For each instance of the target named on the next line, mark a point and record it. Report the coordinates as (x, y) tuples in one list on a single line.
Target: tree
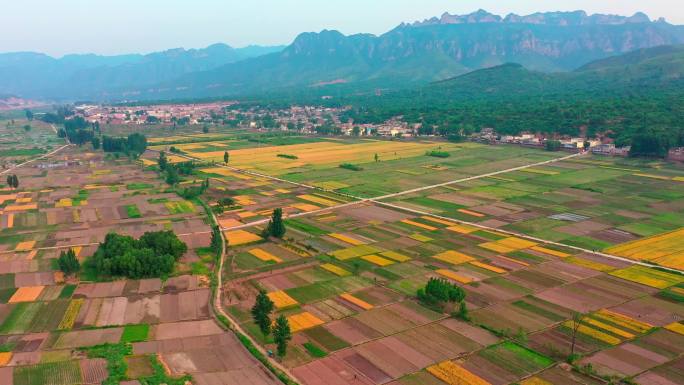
[(576, 323), (137, 143), (205, 129), (154, 254), (376, 157), (172, 177), (29, 115), (216, 239), (356, 131), (276, 226), (552, 145), (13, 181), (261, 312), (95, 142), (68, 263), (162, 161), (282, 335), (27, 127), (439, 291), (226, 157), (463, 311)]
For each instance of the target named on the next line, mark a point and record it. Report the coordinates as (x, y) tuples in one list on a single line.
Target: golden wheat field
[(319, 154)]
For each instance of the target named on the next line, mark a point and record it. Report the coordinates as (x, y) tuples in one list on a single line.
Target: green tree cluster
[(152, 255), (439, 291), (68, 263), (261, 312), (13, 181), (281, 335), (276, 226)]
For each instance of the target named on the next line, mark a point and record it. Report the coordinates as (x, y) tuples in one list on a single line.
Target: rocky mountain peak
[(545, 18)]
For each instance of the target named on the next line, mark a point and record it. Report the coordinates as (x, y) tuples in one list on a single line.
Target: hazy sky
[(57, 27)]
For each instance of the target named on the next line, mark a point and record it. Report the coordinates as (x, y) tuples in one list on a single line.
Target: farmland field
[(522, 245)]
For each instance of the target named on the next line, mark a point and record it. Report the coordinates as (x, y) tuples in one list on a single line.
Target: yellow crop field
[(244, 200), (64, 202), (539, 171), (377, 260), (25, 246), (652, 176), (303, 321), (454, 374), (393, 255), (453, 257), (70, 315), (356, 301), (507, 245), (5, 358), (417, 224), (305, 207), (420, 237), (26, 294), (590, 264), (353, 252), (320, 154), (462, 229), (331, 185), (666, 249), (24, 200), (486, 266), (317, 199), (609, 328), (7, 197), (439, 220), (624, 321), (471, 213), (648, 276), (676, 327), (281, 300), (10, 221), (264, 255), (225, 172), (593, 333), (516, 243), (347, 239), (495, 246), (335, 269), (548, 251), (454, 276), (241, 237), (22, 207)]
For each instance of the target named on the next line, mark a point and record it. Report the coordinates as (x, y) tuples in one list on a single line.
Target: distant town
[(310, 120)]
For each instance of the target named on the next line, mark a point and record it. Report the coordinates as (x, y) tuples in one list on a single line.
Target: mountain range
[(407, 56), (41, 76)]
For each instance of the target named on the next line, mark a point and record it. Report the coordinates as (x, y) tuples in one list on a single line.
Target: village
[(318, 120)]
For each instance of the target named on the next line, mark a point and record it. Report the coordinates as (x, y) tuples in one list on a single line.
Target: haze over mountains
[(409, 55)]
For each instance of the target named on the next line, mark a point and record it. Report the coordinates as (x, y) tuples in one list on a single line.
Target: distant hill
[(638, 91), (73, 76), (413, 54), (407, 56)]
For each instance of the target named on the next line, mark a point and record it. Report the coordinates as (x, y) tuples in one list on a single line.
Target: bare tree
[(577, 319)]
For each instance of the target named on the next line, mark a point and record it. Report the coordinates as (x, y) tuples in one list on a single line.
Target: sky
[(58, 27)]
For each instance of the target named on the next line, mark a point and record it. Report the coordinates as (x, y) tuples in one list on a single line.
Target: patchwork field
[(346, 273), (352, 308)]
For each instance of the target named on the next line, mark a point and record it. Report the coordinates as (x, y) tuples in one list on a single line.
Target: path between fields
[(373, 199), (35, 159), (235, 326), (42, 156)]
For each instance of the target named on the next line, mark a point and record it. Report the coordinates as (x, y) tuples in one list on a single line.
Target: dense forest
[(638, 93)]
